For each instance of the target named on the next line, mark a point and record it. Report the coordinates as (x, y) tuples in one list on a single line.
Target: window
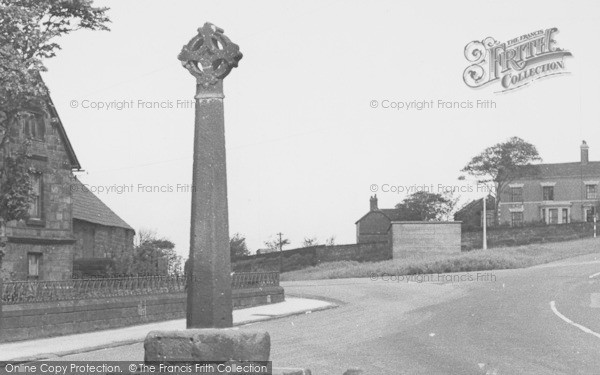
[(35, 207), (565, 215), (553, 216), (516, 194), (591, 191), (34, 125), (589, 214), (548, 193), (516, 219), (34, 260)]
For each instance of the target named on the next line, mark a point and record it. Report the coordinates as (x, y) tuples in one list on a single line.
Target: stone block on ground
[(207, 345)]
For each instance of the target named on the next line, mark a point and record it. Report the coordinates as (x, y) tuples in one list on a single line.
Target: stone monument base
[(210, 344)]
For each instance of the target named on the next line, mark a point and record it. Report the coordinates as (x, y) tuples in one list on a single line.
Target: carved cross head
[(210, 55)]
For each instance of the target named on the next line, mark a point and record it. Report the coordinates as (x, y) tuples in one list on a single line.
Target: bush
[(92, 268)]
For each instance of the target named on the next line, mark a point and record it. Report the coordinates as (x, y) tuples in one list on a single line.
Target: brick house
[(66, 220), (557, 193), (471, 214), (374, 225)]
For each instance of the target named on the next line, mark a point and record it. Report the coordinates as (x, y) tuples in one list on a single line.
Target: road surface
[(541, 320)]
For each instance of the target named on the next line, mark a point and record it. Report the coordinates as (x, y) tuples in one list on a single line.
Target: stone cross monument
[(209, 56)]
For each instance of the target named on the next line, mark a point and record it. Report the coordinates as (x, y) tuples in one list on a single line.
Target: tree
[(502, 163), (28, 29), (310, 241), (425, 206), (152, 255), (330, 241), (237, 246), (278, 243)]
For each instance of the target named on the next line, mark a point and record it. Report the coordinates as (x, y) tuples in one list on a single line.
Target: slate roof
[(576, 169), (393, 214), (476, 205), (88, 207)]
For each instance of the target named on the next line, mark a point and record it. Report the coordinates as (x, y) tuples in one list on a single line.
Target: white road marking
[(594, 275), (584, 329)]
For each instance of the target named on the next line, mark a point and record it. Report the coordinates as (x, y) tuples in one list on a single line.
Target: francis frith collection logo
[(514, 63)]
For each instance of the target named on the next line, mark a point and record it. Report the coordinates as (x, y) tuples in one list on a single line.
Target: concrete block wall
[(428, 237)]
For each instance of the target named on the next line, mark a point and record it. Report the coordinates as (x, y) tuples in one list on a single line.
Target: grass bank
[(477, 260)]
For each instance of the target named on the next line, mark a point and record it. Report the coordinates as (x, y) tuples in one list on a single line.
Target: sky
[(310, 131)]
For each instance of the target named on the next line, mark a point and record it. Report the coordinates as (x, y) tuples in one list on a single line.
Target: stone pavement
[(84, 342)]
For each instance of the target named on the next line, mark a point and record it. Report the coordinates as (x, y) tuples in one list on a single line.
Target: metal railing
[(17, 292), (248, 280)]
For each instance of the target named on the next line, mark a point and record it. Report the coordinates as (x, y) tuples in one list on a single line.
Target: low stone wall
[(517, 236), (37, 320), (362, 252), (311, 256)]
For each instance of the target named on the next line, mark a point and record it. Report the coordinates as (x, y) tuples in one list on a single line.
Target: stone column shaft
[(209, 56), (209, 294)]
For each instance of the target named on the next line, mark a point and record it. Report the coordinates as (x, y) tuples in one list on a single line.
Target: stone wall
[(363, 252), (51, 234), (516, 236), (99, 241), (56, 262), (50, 159), (304, 257), (429, 237), (36, 320)]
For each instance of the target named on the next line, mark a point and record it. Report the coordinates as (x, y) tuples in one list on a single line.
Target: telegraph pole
[(484, 223), (280, 253)]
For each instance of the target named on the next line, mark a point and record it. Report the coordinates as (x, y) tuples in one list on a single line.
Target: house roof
[(88, 207), (393, 214), (576, 169), (476, 205)]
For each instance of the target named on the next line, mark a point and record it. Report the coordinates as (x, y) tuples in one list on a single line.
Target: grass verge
[(477, 260)]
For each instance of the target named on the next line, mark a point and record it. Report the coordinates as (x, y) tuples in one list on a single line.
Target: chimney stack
[(374, 203), (584, 153)]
